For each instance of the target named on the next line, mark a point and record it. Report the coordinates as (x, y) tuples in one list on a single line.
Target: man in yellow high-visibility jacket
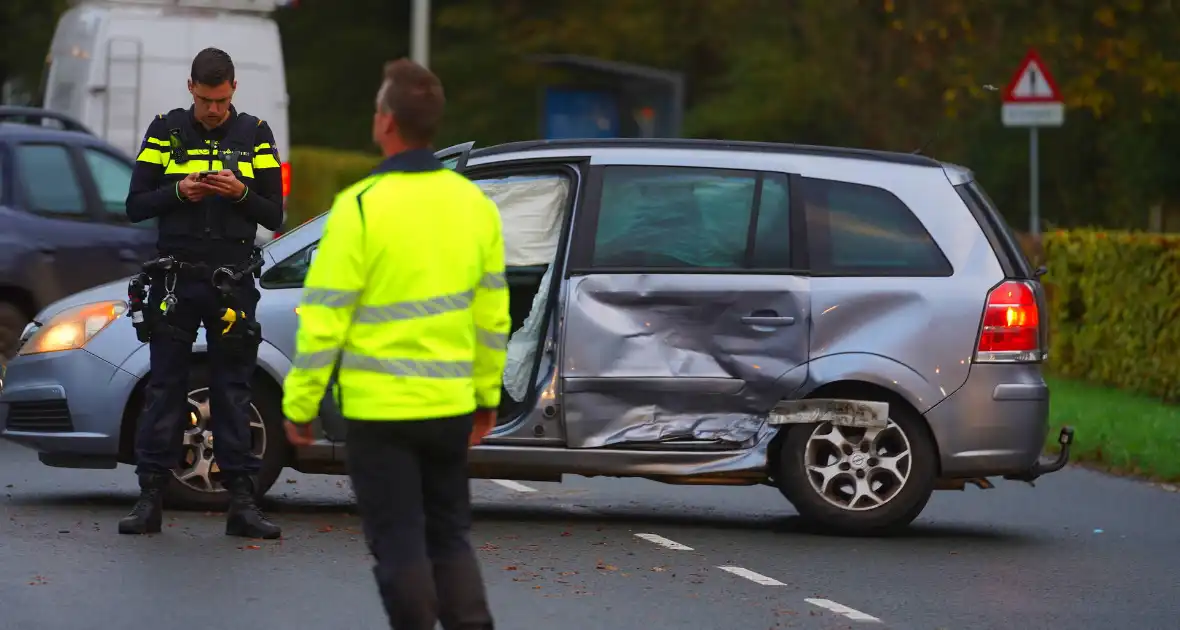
[(407, 293)]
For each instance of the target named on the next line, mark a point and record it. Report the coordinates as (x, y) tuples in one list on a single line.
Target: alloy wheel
[(197, 460), (858, 469)]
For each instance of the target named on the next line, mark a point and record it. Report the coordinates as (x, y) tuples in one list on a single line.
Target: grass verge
[(1122, 432)]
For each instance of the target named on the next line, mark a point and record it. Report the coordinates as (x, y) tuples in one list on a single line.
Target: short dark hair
[(414, 96), (212, 66)]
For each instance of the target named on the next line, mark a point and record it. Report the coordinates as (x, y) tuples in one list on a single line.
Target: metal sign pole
[(420, 33), (1034, 186), (1032, 100)]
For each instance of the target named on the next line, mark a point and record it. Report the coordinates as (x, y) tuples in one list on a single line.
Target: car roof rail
[(708, 144), (36, 116)]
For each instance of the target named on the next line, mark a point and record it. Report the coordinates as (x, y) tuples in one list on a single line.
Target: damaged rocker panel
[(837, 411)]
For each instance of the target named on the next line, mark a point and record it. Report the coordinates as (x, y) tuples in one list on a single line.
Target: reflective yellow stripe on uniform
[(266, 160), (198, 165)]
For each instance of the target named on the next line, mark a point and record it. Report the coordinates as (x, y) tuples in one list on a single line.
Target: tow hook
[(1065, 439)]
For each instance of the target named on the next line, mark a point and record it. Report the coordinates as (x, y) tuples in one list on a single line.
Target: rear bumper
[(995, 424), (65, 404)]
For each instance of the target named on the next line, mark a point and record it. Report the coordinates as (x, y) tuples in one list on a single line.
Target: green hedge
[(318, 174), (1114, 309)]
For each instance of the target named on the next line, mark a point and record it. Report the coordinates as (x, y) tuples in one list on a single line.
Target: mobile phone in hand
[(204, 174)]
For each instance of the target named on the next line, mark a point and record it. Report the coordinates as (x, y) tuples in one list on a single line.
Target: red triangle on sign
[(1032, 83)]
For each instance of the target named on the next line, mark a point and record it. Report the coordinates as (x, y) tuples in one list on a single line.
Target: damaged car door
[(685, 312)]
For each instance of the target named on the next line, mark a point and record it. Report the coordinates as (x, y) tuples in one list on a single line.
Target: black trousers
[(165, 412), (412, 491)]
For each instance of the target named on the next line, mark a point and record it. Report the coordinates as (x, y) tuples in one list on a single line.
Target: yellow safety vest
[(407, 291)]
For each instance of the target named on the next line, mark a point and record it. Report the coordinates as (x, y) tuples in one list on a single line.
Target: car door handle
[(764, 320)]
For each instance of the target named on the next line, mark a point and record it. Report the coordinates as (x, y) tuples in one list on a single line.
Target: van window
[(858, 230), (656, 217), (50, 183)]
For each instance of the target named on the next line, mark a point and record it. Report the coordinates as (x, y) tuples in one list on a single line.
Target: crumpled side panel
[(645, 416), (653, 357)]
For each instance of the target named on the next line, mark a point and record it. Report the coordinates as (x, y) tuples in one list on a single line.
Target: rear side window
[(859, 230), (1003, 240), (49, 180), (112, 178), (687, 218)]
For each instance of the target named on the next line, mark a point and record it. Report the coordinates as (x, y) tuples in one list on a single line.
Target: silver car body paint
[(647, 374)]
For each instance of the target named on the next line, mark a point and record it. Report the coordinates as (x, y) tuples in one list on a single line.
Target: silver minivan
[(856, 328)]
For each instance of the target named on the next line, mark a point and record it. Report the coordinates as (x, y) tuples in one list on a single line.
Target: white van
[(116, 64)]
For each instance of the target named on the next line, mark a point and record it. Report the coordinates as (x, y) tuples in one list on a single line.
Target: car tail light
[(1011, 330), (286, 170)]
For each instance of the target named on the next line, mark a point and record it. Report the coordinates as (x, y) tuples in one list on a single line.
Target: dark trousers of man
[(158, 442), (413, 494)]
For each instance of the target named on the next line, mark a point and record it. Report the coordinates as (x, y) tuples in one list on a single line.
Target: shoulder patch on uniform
[(260, 121)]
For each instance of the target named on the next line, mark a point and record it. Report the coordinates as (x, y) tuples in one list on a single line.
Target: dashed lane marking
[(757, 578), (664, 542), (512, 485), (841, 609)]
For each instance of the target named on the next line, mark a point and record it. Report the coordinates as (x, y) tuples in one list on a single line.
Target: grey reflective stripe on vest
[(493, 281), (315, 360), (414, 308), (330, 298), (489, 339), (422, 368), (407, 367)]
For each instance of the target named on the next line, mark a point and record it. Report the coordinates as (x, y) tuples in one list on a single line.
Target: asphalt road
[(1080, 551)]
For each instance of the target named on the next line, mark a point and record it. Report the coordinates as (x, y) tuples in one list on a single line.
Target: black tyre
[(191, 487), (850, 481), (12, 323)]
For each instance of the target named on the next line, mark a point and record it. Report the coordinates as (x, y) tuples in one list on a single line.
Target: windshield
[(297, 228)]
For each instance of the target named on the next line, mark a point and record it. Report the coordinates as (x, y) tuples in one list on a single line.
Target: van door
[(686, 313)]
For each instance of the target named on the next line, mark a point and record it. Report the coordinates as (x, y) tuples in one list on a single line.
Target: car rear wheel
[(858, 481), (12, 323), (192, 486)]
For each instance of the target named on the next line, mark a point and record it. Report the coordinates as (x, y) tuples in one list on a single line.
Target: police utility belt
[(145, 317)]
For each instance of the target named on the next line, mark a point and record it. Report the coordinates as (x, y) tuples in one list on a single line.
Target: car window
[(691, 218), (49, 179), (113, 179), (292, 271), (855, 229), (772, 239)]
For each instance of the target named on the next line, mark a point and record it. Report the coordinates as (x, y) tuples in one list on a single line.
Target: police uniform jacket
[(215, 230), (407, 292)]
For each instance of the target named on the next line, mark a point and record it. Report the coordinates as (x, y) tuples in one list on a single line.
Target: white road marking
[(512, 485), (841, 609), (664, 542), (757, 578)]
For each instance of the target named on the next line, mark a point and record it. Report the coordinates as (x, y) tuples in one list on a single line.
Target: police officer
[(209, 175), (406, 300)]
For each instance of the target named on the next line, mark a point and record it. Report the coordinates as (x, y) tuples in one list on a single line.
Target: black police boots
[(148, 514), (244, 517)]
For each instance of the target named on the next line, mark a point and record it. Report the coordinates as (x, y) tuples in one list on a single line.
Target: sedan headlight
[(73, 328)]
